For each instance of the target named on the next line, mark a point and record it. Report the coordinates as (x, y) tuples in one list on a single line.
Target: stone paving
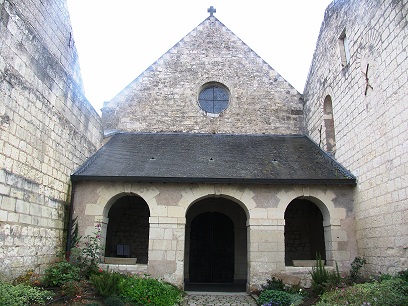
[(218, 299)]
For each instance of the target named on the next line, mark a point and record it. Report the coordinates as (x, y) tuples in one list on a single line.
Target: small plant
[(21, 295), (149, 291), (60, 273), (88, 252), (274, 298), (74, 289), (29, 278), (274, 284), (114, 301), (391, 292), (107, 283), (403, 275), (356, 266), (319, 276)]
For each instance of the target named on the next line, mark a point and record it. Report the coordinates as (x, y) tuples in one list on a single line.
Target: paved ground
[(218, 299)]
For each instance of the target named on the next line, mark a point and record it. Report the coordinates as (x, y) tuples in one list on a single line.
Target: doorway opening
[(211, 249), (216, 245)]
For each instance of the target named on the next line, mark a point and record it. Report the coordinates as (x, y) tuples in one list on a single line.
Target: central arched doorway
[(216, 244), (211, 248)]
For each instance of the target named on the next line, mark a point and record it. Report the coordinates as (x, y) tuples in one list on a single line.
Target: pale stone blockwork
[(260, 245), (369, 99), (47, 129), (164, 98)]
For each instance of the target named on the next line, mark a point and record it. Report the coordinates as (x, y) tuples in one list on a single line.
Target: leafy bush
[(74, 289), (87, 251), (274, 284), (60, 273), (274, 298), (149, 291), (323, 280), (113, 301), (403, 275), (391, 292), (107, 283), (21, 295), (29, 278), (356, 266)]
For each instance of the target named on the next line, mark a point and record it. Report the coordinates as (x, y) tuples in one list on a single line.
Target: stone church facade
[(209, 139)]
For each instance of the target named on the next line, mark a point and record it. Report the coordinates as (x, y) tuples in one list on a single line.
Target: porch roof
[(213, 158)]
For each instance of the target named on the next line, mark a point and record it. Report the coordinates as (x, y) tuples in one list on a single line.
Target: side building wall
[(360, 66), (47, 129)]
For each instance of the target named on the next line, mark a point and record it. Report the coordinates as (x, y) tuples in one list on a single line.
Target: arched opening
[(304, 232), (329, 125), (216, 244), (127, 233)]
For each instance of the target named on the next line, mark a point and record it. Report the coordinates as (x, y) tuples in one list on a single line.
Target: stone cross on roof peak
[(211, 10)]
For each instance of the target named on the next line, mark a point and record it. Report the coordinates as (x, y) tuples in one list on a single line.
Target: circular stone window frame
[(208, 85)]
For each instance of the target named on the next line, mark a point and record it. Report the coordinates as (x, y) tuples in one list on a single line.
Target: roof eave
[(257, 181)]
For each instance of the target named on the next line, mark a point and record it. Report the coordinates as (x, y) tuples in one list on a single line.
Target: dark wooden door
[(211, 249)]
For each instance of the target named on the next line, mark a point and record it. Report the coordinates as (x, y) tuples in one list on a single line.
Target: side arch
[(127, 228)]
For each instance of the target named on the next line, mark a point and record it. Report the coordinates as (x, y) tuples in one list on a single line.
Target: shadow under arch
[(305, 219), (127, 230), (220, 196), (216, 243)]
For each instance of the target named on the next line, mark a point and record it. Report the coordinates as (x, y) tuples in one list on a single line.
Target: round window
[(213, 98)]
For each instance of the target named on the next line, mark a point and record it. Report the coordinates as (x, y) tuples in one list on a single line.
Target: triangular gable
[(163, 97)]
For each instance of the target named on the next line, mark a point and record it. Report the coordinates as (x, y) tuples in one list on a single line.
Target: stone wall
[(172, 207), (47, 129), (165, 96), (369, 94)]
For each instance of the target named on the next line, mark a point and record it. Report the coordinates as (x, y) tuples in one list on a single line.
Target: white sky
[(117, 40)]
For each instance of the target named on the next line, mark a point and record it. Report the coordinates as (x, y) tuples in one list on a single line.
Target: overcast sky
[(117, 40)]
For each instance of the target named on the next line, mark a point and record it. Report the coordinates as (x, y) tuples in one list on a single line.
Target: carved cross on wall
[(366, 79), (211, 10)]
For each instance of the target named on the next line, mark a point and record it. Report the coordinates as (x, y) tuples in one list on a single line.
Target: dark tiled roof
[(213, 158)]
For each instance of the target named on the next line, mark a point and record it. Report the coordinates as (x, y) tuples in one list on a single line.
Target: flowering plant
[(88, 252)]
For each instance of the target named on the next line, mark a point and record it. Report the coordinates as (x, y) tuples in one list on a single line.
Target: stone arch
[(304, 231), (332, 218), (126, 227), (328, 120), (222, 196), (219, 223)]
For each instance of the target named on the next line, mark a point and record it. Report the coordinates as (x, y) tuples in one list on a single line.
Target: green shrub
[(60, 273), (107, 283), (390, 292), (21, 295), (403, 275), (74, 288), (274, 284), (274, 298), (356, 266), (149, 291), (114, 301), (296, 299), (322, 279), (319, 276)]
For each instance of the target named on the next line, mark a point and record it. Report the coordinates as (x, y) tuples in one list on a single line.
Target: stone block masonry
[(164, 98), (369, 98), (47, 129)]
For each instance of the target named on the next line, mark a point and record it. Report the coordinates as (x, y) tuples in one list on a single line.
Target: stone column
[(266, 245), (166, 249)]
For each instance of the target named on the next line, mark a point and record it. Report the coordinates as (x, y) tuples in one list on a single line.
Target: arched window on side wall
[(329, 125)]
